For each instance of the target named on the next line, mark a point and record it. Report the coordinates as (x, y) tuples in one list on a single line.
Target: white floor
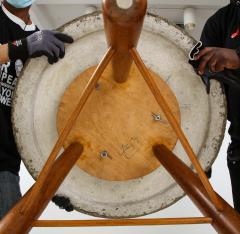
[(184, 208)]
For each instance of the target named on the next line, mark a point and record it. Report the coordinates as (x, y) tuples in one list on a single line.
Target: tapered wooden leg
[(225, 222), (123, 28), (18, 222), (71, 121), (170, 116), (83, 99)]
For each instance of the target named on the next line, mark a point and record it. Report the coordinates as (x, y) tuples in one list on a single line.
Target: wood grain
[(35, 201), (72, 117), (226, 221), (118, 119), (122, 222), (175, 125), (123, 28)]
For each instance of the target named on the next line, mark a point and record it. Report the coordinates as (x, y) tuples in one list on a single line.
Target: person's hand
[(63, 203), (42, 43), (217, 59), (48, 43)]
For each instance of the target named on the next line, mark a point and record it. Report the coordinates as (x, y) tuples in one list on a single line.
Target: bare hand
[(217, 59)]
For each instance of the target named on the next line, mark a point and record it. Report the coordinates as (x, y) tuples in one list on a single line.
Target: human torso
[(223, 30), (10, 30)]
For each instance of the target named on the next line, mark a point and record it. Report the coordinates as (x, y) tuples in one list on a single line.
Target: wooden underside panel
[(118, 119)]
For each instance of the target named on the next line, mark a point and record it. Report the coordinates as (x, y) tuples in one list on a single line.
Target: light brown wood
[(175, 125), (118, 119), (121, 222), (123, 28), (21, 222), (72, 119), (226, 221)]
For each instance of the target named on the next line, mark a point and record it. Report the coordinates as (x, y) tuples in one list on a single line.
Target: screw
[(104, 154), (156, 117)]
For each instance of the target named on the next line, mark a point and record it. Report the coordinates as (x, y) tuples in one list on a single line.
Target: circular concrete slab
[(164, 49)]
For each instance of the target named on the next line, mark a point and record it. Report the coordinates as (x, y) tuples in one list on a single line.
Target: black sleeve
[(212, 33)]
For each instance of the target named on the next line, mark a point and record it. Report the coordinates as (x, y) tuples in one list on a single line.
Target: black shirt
[(9, 31), (223, 30)]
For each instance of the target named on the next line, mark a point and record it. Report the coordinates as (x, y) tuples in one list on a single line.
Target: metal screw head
[(156, 117), (104, 154)]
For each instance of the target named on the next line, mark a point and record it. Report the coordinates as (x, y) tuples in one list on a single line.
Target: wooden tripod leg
[(71, 121), (170, 116), (83, 99), (225, 222), (17, 222)]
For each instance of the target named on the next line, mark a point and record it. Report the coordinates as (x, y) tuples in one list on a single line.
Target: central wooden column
[(123, 28)]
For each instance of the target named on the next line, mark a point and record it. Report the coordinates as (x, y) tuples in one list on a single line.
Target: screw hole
[(104, 154)]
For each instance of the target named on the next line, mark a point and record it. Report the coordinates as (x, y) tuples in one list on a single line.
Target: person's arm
[(4, 54), (214, 57), (42, 43), (217, 59)]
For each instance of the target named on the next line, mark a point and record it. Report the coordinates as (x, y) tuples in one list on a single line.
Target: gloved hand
[(63, 203), (46, 42)]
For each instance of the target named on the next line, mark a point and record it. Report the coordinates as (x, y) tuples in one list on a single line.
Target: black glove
[(63, 203), (46, 42), (228, 77)]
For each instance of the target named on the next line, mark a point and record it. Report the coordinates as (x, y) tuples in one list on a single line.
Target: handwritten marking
[(132, 145)]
